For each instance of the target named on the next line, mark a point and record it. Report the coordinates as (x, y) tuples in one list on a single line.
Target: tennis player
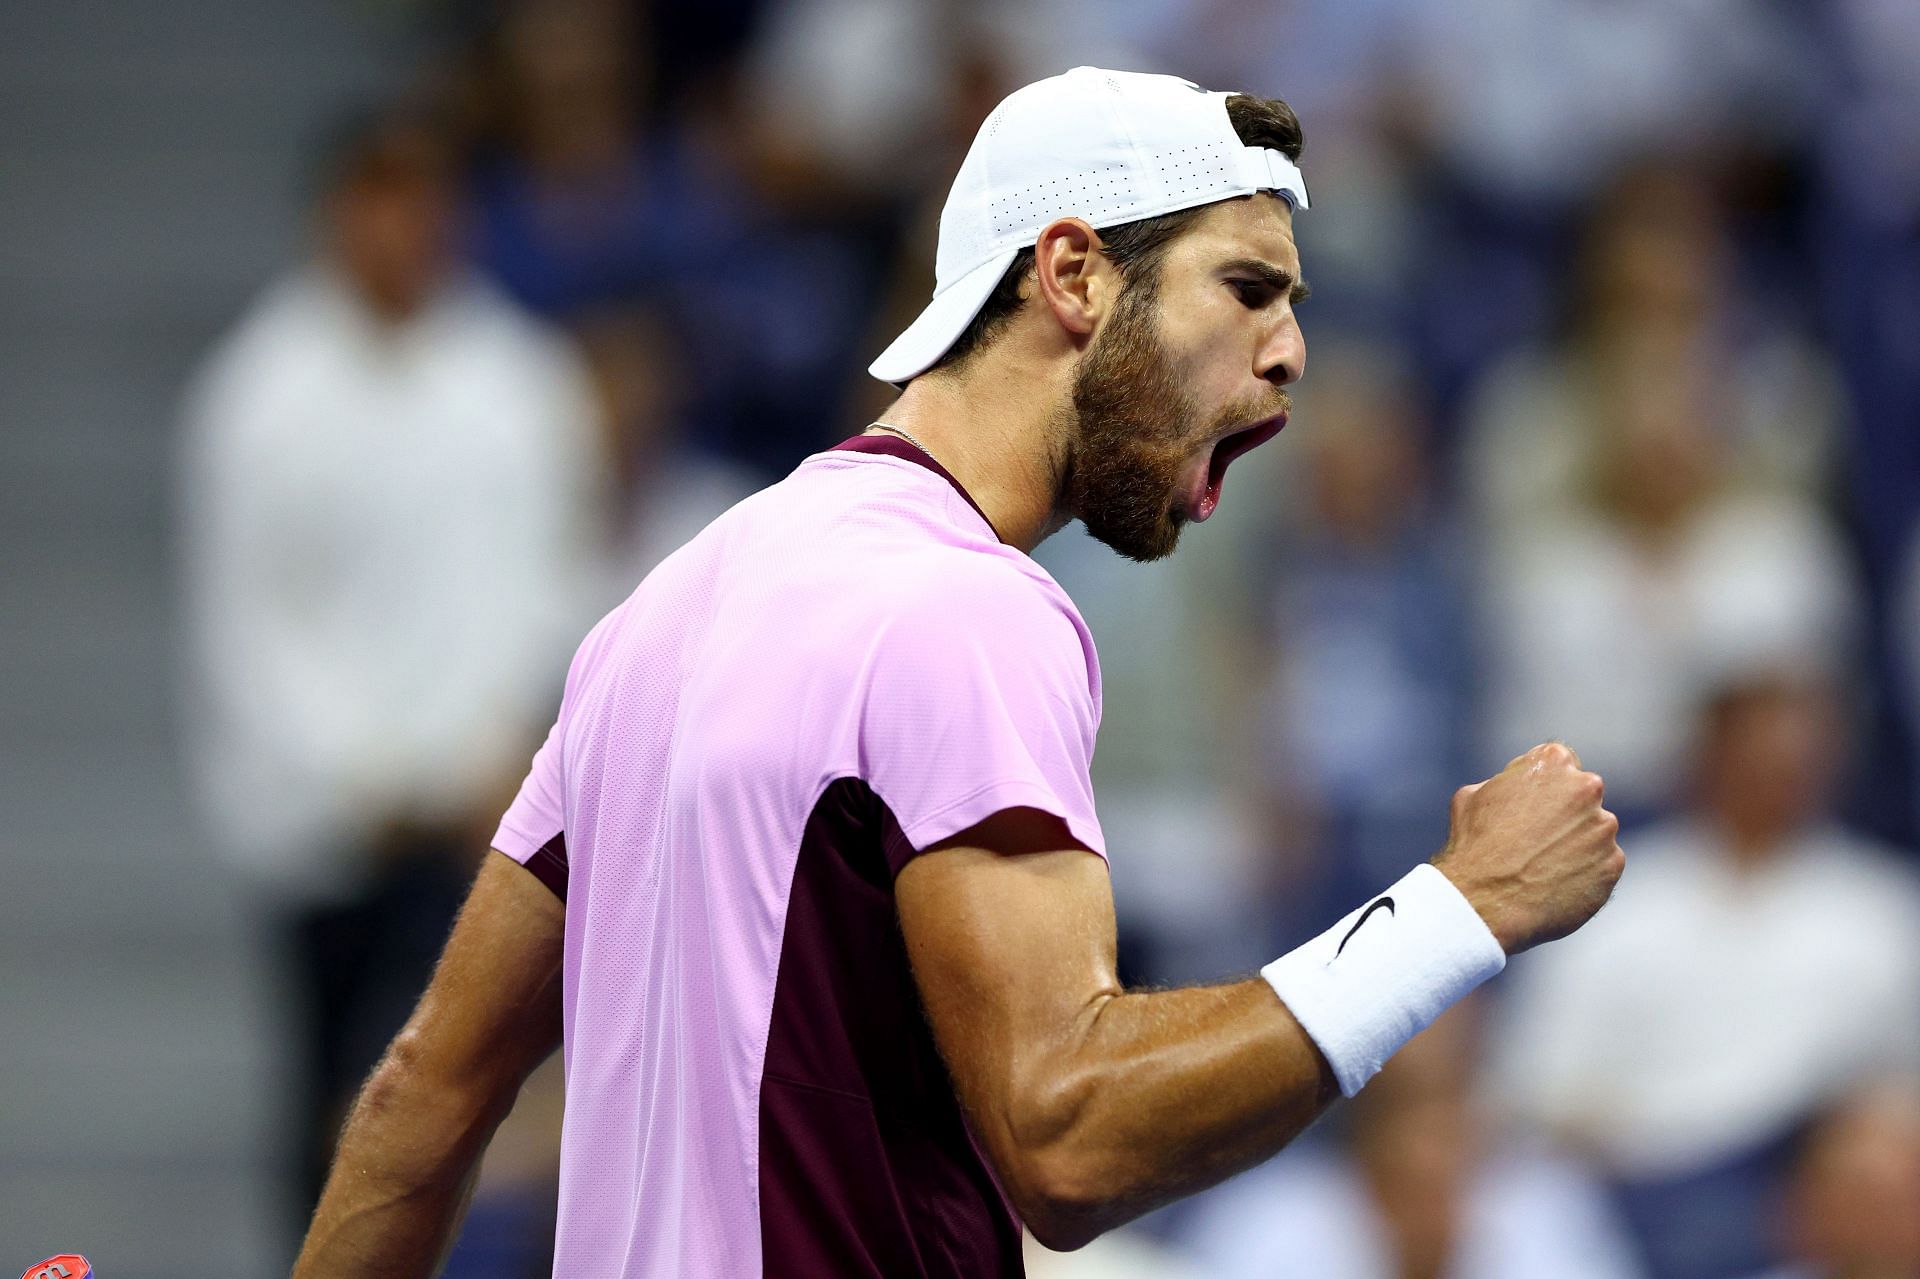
[(807, 880)]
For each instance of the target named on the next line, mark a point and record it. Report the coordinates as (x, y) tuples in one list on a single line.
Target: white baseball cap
[(1108, 146)]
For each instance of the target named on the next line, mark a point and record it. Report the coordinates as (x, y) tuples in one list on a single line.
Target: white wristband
[(1381, 975)]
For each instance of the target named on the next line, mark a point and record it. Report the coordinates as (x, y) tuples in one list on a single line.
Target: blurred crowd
[(1610, 433)]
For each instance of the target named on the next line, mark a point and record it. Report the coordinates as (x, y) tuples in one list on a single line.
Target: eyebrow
[(1273, 277)]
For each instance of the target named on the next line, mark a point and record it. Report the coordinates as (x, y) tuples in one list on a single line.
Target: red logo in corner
[(68, 1265)]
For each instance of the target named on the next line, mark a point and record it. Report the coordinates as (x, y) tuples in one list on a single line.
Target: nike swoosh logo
[(1365, 915)]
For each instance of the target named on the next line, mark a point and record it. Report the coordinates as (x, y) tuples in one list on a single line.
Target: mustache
[(1259, 408)]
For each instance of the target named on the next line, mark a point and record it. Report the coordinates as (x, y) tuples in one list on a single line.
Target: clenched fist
[(1533, 849)]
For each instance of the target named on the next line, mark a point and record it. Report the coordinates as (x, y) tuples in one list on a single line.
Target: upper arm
[(492, 1011), (1010, 929)]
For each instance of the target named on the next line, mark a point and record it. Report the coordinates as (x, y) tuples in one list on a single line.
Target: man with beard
[(807, 877)]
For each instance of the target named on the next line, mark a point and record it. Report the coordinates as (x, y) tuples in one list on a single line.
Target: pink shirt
[(842, 670)]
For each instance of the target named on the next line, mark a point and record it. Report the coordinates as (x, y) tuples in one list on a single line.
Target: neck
[(1752, 839), (993, 427), (1752, 836)]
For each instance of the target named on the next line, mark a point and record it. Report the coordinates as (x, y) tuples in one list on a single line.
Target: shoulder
[(995, 602), (509, 343), (918, 555), (1870, 879), (490, 311), (257, 389), (291, 321), (987, 586)]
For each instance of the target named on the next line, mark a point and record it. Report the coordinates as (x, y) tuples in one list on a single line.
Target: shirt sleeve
[(533, 830), (982, 695)]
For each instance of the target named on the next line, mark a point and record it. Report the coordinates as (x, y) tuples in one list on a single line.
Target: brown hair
[(1135, 247)]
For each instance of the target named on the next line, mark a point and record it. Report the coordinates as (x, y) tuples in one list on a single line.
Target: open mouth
[(1223, 454)]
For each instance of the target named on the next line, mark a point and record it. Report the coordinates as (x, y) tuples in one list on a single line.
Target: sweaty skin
[(1093, 1103), (1097, 1104)]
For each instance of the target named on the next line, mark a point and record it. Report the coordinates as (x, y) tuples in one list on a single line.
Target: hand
[(1533, 849)]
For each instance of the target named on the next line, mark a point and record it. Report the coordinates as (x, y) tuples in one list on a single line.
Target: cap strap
[(1265, 169)]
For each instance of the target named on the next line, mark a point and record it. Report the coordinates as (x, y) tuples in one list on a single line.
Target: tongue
[(1209, 498), (1216, 476)]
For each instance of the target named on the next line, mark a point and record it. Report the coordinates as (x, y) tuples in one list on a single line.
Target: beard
[(1131, 431)]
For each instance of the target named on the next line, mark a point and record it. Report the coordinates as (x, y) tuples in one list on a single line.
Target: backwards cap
[(1107, 146)]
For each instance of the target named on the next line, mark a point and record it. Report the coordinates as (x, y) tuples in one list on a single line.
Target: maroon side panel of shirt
[(867, 1167)]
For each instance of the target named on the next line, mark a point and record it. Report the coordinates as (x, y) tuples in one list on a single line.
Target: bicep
[(1010, 929), (492, 1011)]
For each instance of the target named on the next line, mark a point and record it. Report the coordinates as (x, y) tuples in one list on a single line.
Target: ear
[(1073, 279)]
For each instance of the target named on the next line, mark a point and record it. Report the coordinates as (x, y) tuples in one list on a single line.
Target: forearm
[(1158, 1095), (401, 1179), (1162, 1094)]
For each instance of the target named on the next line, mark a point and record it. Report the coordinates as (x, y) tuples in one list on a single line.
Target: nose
[(1283, 357)]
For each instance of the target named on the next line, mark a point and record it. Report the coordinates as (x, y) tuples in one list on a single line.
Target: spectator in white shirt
[(1759, 959), (389, 501)]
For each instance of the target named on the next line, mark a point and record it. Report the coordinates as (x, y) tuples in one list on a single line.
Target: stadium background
[(1670, 238)]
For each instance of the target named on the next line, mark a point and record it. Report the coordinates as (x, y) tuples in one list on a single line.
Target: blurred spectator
[(1422, 1188), (1536, 103), (1656, 294), (1345, 66), (1367, 713), (765, 268), (1756, 959), (577, 206), (1605, 626), (388, 492), (1325, 57), (866, 85), (1643, 493), (1853, 1204), (665, 489), (1524, 112)]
